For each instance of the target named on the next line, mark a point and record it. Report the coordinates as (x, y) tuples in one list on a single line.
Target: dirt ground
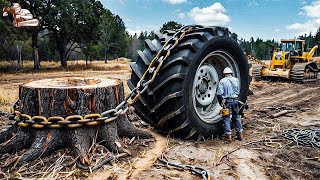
[(264, 154), (272, 157)]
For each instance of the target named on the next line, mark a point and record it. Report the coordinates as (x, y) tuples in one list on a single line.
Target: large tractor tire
[(182, 99)]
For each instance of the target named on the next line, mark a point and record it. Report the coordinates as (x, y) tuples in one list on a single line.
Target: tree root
[(43, 142), (6, 135), (23, 138)]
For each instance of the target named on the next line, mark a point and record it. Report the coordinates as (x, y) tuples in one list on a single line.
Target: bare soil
[(263, 154)]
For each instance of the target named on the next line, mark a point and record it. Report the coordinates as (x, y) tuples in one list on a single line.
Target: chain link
[(108, 116), (202, 172)]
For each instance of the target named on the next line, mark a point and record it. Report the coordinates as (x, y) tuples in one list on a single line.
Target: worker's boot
[(228, 137), (239, 136)]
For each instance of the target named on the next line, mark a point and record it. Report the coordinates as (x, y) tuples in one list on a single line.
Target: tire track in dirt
[(313, 96), (267, 97), (151, 156), (140, 163), (246, 169), (268, 91), (291, 97)]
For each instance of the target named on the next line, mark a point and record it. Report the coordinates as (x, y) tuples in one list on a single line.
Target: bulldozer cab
[(290, 52), (294, 47)]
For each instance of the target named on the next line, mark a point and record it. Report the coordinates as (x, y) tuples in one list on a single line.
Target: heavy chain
[(202, 172), (76, 121), (305, 137), (157, 61)]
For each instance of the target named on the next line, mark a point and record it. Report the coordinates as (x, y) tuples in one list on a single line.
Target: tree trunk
[(35, 51), (61, 58), (64, 97), (105, 55), (86, 59), (19, 56), (62, 48), (64, 55)]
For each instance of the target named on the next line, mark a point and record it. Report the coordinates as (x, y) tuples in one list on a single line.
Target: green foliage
[(312, 40), (263, 49), (47, 48), (137, 42), (170, 25), (68, 22), (259, 48), (143, 36), (114, 39), (120, 39), (85, 28)]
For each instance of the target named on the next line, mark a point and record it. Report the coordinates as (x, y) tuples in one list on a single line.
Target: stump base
[(65, 97)]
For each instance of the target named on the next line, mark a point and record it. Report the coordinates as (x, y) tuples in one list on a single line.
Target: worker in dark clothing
[(227, 93)]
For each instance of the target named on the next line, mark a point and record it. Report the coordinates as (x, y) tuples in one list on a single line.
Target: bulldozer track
[(256, 72), (299, 74)]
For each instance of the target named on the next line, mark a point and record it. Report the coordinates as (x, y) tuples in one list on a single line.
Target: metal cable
[(305, 137)]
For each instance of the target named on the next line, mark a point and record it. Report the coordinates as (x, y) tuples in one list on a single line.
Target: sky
[(266, 19)]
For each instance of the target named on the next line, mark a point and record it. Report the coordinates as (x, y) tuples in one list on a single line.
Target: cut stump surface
[(64, 97)]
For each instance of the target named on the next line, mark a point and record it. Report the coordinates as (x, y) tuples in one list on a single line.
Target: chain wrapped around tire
[(182, 99)]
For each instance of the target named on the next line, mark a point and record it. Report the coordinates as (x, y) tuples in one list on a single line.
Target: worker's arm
[(219, 93)]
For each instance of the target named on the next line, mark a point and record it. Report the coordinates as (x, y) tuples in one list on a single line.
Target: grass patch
[(10, 77), (6, 99), (78, 65)]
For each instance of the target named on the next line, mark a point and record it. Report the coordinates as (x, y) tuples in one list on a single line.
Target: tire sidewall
[(232, 47)]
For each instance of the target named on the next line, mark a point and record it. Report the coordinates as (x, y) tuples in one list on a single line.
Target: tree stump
[(65, 97)]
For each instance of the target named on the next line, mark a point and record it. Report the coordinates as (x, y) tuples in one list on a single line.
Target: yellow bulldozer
[(291, 62)]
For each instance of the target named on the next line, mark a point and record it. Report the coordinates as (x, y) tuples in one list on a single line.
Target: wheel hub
[(205, 84), (207, 78)]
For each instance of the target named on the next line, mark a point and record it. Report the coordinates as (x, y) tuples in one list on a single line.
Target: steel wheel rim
[(205, 84)]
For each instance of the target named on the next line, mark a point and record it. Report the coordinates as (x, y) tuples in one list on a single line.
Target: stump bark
[(65, 97)]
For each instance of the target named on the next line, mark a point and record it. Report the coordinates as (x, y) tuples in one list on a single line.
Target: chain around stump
[(75, 121)]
